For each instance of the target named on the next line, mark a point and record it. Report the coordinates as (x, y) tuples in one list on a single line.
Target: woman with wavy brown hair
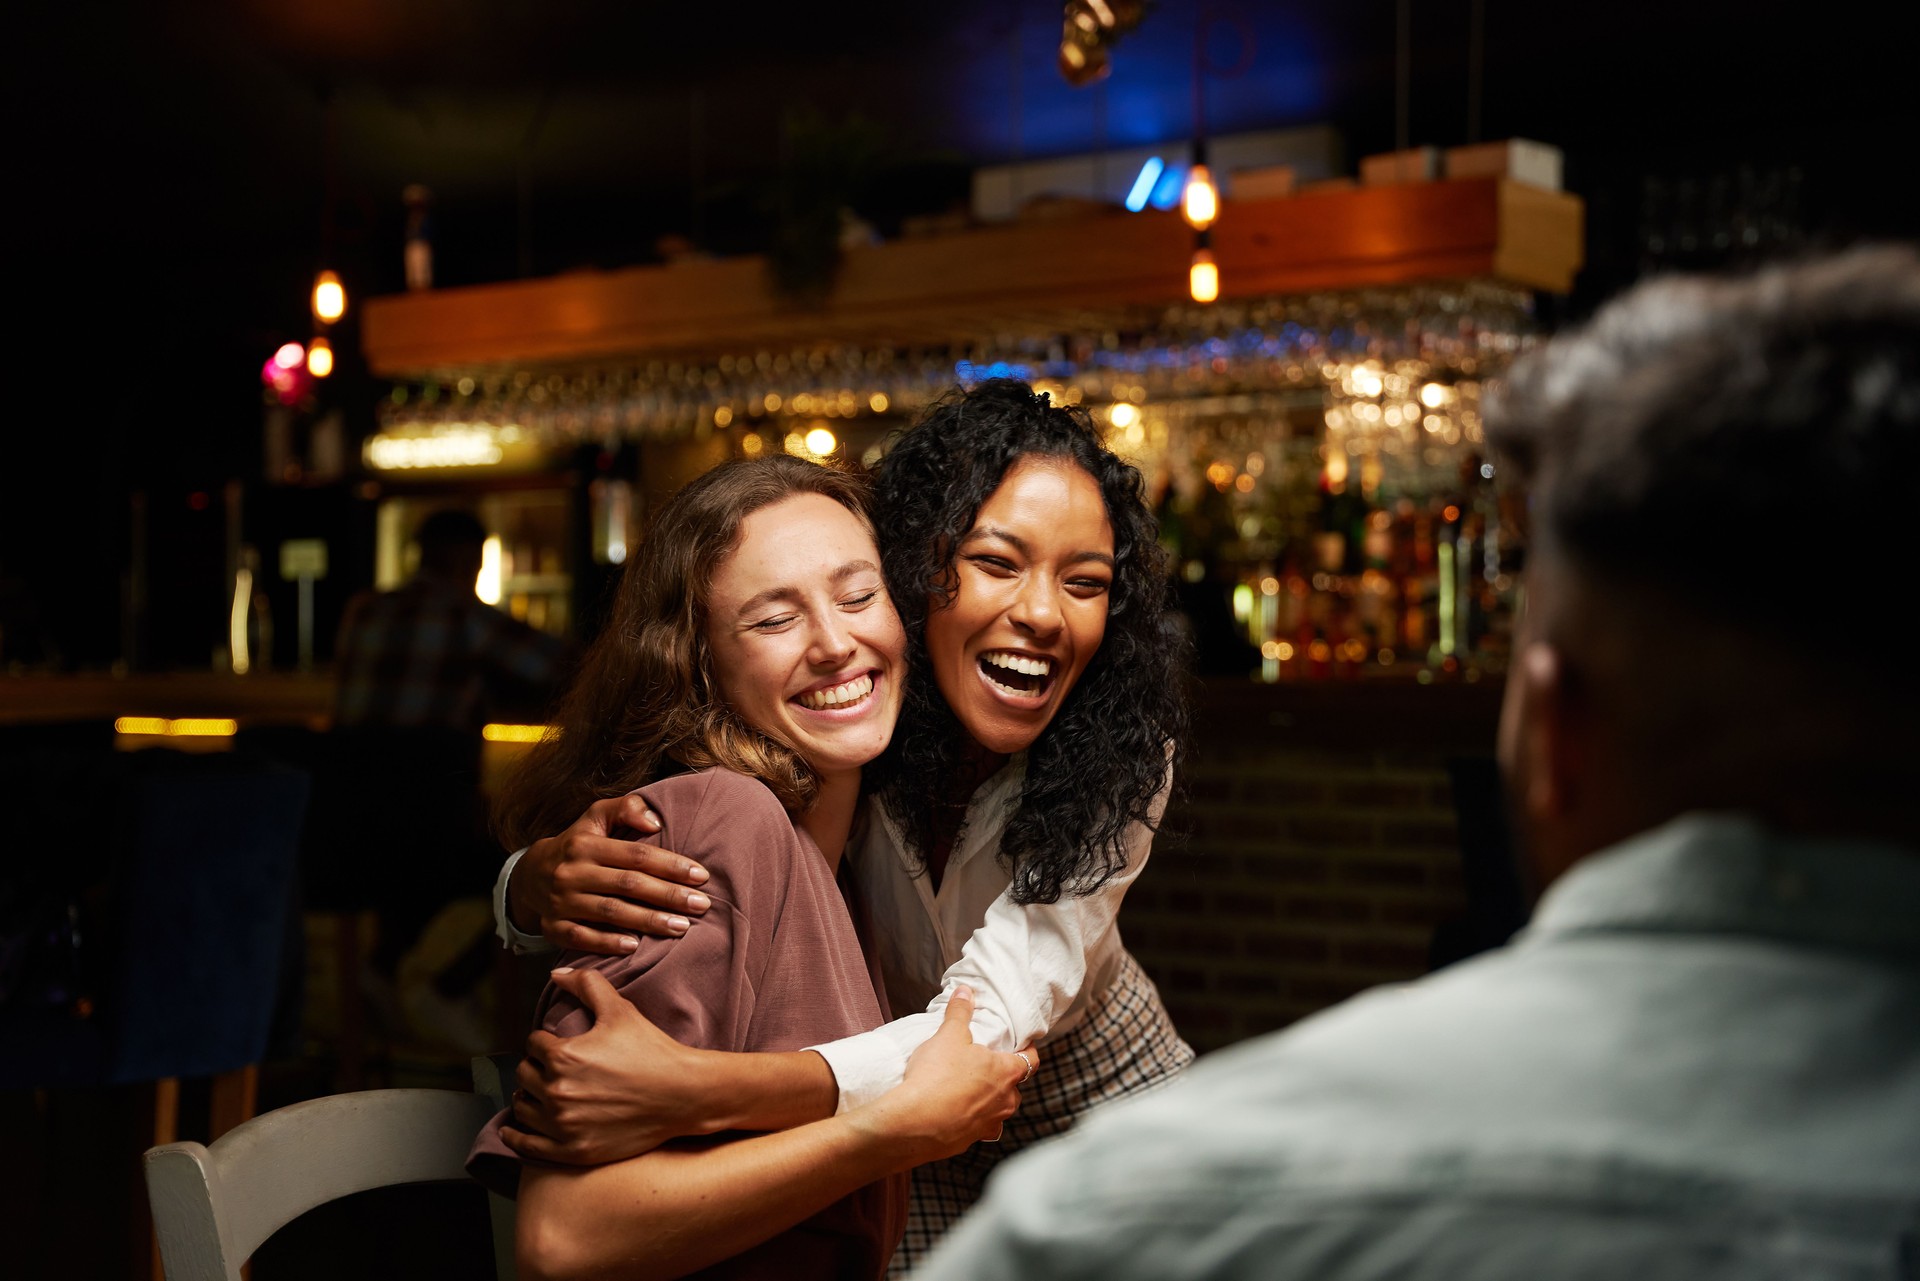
[(1018, 801), (752, 667)]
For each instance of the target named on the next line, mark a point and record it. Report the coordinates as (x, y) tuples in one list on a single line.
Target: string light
[(319, 357)]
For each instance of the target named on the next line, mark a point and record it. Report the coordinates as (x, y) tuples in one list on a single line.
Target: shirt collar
[(1728, 874), (987, 812)]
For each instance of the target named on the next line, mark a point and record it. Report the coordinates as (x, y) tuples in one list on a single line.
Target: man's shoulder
[(1553, 1090)]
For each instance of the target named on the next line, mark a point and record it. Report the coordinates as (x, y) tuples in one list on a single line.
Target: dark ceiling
[(183, 166)]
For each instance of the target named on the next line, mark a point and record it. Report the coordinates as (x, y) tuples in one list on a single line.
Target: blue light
[(1166, 192), (1143, 184)]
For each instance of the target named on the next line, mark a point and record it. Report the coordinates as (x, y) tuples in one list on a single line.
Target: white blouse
[(1034, 968)]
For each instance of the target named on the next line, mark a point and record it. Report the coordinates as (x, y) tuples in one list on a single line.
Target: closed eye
[(773, 624), (861, 602), (999, 566)]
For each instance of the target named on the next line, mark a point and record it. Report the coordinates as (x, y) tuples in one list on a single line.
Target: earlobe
[(1548, 767)]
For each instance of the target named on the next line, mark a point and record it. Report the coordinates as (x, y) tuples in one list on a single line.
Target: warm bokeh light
[(329, 298), (241, 657), (1336, 468), (722, 416), (290, 356), (319, 358), (821, 442), (467, 447), (1434, 395), (1123, 415), (752, 444), (878, 402), (503, 733), (1200, 202), (1203, 278), (184, 727), (487, 585)]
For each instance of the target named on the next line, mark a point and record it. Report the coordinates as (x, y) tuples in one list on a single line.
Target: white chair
[(213, 1206)]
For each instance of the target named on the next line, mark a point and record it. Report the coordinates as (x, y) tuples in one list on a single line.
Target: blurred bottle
[(1378, 604), (419, 236), (249, 646), (1422, 587)]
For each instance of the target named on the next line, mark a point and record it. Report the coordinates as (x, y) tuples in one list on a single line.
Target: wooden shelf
[(1035, 275)]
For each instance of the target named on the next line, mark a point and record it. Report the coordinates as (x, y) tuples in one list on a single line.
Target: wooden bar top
[(943, 289)]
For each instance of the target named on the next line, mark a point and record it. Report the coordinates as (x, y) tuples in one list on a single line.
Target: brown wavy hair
[(644, 702)]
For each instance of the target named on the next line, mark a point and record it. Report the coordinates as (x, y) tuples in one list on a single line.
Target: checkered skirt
[(1126, 1045)]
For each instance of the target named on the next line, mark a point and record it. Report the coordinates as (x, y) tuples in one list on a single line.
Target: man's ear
[(1545, 745), (1550, 751)]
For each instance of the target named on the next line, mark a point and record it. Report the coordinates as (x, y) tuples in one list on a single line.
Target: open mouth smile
[(847, 696), (1023, 678)]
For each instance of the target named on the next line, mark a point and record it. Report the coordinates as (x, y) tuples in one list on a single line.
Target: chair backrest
[(493, 1077), (213, 1206)]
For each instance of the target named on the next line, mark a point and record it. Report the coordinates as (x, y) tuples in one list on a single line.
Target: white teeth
[(1019, 663), (834, 696)]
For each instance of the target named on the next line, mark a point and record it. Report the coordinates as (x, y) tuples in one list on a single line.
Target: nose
[(832, 642), (1035, 610)]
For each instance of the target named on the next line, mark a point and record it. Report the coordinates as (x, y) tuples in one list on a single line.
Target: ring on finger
[(1030, 1066)]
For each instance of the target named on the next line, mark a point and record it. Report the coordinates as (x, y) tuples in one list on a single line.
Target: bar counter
[(1313, 846), (268, 698)]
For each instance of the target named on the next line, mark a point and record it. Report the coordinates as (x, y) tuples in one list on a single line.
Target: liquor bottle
[(1422, 584), (419, 255)]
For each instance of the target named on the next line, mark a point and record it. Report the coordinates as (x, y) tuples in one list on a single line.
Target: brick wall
[(1312, 854)]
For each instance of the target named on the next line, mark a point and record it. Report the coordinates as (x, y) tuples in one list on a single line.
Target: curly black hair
[(1098, 766)]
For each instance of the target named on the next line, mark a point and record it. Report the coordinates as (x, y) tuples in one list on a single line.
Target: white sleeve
[(1026, 965), (502, 924)]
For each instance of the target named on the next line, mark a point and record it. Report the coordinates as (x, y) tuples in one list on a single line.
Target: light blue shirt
[(1701, 1061)]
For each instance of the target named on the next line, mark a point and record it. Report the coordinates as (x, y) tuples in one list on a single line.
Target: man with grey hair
[(1702, 1058)]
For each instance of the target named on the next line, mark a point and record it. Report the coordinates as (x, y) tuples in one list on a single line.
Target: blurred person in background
[(421, 669), (1702, 1059), (432, 654)]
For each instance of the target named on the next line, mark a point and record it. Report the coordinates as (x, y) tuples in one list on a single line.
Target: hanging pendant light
[(329, 298), (1203, 276), (1200, 201)]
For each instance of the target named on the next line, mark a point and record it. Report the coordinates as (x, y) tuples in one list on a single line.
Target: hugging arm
[(1025, 965), (681, 1208), (620, 1091), (591, 890)]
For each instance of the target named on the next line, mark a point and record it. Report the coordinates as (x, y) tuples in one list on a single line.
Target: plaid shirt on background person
[(431, 653)]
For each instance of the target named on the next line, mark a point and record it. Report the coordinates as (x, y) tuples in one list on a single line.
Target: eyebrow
[(1026, 549), (773, 594)]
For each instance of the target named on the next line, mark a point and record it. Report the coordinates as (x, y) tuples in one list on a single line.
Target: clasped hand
[(623, 1087)]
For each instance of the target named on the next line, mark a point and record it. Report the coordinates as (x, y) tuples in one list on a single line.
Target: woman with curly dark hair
[(1044, 709)]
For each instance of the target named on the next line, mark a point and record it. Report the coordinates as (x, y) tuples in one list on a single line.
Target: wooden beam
[(944, 288)]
